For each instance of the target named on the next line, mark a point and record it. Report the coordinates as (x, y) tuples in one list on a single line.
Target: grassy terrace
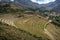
[(34, 25), (31, 25), (11, 33)]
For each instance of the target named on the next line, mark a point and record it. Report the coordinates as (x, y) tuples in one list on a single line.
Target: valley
[(26, 20)]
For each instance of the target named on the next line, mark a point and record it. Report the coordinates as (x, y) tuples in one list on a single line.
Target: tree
[(4, 7)]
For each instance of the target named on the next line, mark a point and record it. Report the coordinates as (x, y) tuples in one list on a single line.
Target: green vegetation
[(10, 8), (33, 24), (11, 33), (52, 16), (56, 20), (30, 23)]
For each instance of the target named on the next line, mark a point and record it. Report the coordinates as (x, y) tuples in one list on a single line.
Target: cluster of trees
[(56, 20), (4, 7)]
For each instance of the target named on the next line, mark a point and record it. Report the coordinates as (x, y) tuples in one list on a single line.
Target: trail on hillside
[(52, 32), (47, 32)]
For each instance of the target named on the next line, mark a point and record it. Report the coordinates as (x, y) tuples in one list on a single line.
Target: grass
[(8, 32), (11, 33), (34, 25), (31, 25)]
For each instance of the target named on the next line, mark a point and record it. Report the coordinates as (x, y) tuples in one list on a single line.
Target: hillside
[(25, 20), (11, 32), (33, 24), (28, 4), (54, 5), (8, 32), (37, 25), (25, 4)]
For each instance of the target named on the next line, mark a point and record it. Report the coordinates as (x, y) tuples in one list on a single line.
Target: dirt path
[(49, 34), (51, 31)]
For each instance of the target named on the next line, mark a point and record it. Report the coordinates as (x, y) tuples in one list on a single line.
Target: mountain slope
[(37, 25), (54, 5), (28, 4), (11, 33)]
